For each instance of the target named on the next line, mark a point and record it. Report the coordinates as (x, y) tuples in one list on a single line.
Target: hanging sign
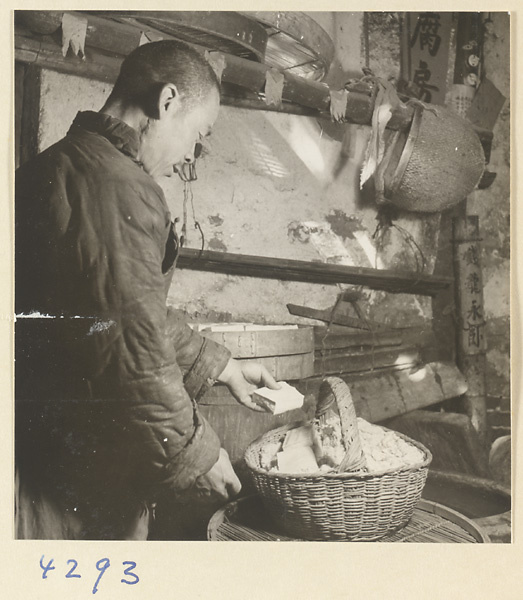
[(425, 46)]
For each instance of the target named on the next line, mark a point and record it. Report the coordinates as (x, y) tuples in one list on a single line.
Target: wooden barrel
[(286, 350)]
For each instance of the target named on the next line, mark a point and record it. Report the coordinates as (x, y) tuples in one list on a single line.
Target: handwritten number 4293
[(102, 565)]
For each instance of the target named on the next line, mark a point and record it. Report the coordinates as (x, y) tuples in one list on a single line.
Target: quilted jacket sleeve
[(200, 359)]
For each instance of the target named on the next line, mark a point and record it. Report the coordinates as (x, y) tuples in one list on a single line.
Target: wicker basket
[(441, 162), (337, 506)]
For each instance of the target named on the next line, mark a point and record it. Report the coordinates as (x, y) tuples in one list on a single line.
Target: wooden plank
[(471, 351), (258, 343), (310, 272), (288, 367), (19, 99), (337, 315), (325, 338), (30, 119), (48, 55), (486, 105), (382, 395), (372, 392), (100, 32), (332, 362)]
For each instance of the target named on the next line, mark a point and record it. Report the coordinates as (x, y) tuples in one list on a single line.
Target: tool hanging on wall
[(187, 174)]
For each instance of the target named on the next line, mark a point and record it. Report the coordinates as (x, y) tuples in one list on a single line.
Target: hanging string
[(196, 222), (360, 314), (385, 223), (188, 196), (186, 187)]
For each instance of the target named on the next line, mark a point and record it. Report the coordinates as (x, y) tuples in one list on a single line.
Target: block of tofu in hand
[(278, 401)]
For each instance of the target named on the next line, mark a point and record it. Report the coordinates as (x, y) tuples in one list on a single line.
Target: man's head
[(177, 94)]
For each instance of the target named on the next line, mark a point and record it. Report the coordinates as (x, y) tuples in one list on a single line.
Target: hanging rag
[(149, 36), (74, 31), (274, 80), (217, 62), (386, 101), (338, 104)]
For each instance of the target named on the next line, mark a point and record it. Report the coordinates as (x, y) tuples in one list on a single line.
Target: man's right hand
[(219, 484)]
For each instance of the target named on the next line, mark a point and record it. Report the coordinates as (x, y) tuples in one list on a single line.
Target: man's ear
[(169, 100)]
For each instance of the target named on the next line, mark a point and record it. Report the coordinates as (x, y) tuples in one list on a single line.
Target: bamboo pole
[(108, 41), (37, 42), (471, 346)]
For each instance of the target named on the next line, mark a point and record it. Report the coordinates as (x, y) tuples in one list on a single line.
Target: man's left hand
[(242, 378)]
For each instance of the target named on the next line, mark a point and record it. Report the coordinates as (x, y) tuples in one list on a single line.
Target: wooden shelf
[(311, 272)]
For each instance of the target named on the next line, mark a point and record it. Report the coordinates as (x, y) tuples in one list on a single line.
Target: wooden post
[(471, 347), (30, 118)]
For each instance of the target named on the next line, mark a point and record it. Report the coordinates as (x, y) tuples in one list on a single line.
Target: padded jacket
[(107, 375)]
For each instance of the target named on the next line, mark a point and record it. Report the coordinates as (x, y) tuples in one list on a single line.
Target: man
[(107, 376)]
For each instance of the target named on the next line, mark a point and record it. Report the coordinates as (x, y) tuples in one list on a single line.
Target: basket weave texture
[(337, 506), (445, 164)]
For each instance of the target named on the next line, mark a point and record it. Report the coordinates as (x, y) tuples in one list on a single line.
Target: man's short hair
[(149, 67)]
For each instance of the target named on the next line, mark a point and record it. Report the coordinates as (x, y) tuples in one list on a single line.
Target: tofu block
[(269, 327), (297, 459), (278, 401), (299, 436)]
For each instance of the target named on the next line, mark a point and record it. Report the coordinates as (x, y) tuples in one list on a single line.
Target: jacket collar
[(122, 136)]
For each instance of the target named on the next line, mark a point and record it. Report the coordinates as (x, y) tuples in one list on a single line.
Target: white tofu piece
[(278, 401), (269, 327), (220, 327), (299, 436), (297, 459)]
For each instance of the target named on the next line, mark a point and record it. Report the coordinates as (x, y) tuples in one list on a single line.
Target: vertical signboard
[(425, 48)]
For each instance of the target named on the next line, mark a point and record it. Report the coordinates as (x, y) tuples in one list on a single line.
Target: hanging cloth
[(386, 101)]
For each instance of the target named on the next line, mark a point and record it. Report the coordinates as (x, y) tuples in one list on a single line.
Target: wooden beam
[(380, 395), (30, 118), (471, 350), (107, 42), (19, 99), (311, 272), (48, 55)]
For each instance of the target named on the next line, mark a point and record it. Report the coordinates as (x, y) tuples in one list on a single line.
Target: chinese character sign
[(426, 45), (469, 284)]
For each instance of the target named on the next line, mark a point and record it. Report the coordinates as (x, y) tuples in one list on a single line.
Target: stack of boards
[(286, 350)]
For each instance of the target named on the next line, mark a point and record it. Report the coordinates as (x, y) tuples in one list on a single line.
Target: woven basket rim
[(330, 475)]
